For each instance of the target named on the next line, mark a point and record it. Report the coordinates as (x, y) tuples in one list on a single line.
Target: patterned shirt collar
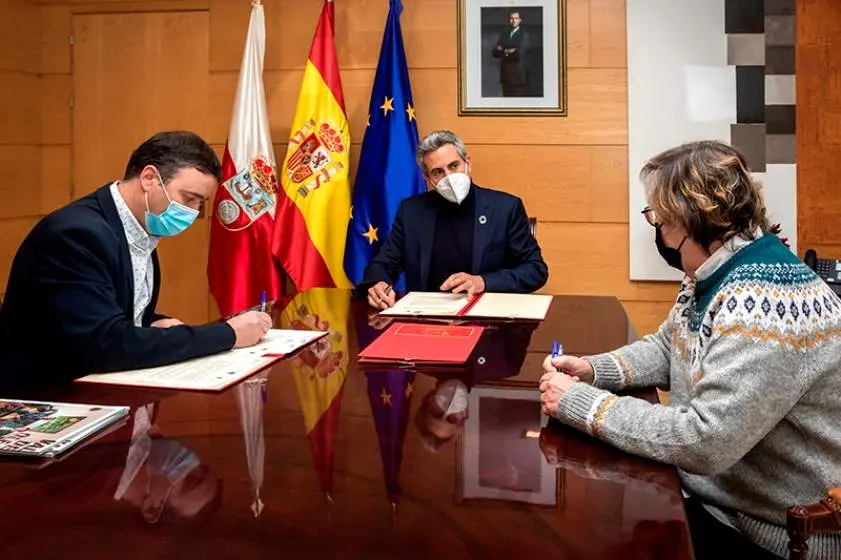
[(723, 254), (136, 236)]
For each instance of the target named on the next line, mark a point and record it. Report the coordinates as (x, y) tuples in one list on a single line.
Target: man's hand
[(572, 366), (552, 389), (463, 282), (381, 296), (166, 323), (250, 327)]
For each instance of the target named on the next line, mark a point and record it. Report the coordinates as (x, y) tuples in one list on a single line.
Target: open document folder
[(217, 372), (480, 306), (46, 429)]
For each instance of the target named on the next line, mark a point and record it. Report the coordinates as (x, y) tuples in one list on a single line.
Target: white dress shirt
[(141, 245)]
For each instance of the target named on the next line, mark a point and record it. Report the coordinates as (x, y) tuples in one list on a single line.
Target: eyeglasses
[(650, 216)]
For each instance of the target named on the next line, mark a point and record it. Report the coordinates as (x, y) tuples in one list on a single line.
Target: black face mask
[(670, 254)]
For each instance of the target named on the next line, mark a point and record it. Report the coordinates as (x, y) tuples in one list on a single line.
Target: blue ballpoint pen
[(557, 350), (263, 302)]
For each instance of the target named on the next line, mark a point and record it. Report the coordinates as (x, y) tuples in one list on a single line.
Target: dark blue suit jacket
[(505, 253), (69, 304)]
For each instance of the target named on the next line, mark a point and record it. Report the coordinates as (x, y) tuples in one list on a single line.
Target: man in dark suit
[(458, 237), (512, 50), (83, 288)]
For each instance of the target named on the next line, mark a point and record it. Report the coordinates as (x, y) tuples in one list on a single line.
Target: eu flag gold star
[(409, 390), (411, 111), (388, 105), (386, 397), (371, 234)]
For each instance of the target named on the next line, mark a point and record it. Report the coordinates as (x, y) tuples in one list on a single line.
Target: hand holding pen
[(578, 368), (381, 296), (251, 327)]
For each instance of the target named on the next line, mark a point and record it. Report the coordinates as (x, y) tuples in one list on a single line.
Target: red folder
[(414, 343)]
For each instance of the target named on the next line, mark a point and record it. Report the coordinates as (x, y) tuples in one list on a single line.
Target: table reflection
[(320, 457)]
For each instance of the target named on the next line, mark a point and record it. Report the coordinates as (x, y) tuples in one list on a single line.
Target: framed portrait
[(512, 57), (498, 454)]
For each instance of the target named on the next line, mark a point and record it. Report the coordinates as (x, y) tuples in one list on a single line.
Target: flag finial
[(256, 2)]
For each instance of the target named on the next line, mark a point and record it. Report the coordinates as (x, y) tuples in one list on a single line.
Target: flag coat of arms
[(314, 201), (240, 264)]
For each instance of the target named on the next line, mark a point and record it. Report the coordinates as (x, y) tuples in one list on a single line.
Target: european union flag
[(387, 170)]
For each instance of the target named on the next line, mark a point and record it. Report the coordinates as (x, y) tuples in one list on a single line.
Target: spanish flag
[(320, 370), (313, 207)]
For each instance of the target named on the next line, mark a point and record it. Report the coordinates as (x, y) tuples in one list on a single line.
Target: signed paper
[(436, 304), (483, 306), (214, 373)]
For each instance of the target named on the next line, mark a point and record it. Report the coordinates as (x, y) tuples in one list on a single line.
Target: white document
[(511, 306), (486, 306), (217, 372), (437, 304)]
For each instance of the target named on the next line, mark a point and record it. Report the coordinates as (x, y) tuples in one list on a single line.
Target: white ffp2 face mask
[(451, 396), (454, 187)]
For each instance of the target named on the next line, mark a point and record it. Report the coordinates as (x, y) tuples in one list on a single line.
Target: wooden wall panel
[(56, 90), (159, 95), (21, 181), (563, 183), (20, 61), (429, 28), (19, 108), (608, 44), (818, 126), (592, 258), (597, 101), (56, 177), (55, 39), (19, 31), (359, 32)]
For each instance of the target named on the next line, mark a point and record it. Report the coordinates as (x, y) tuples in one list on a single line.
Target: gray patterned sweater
[(751, 353)]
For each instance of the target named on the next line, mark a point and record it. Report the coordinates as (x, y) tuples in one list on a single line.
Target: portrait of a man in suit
[(514, 67)]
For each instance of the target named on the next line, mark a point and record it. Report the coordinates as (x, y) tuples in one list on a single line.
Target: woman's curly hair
[(707, 188)]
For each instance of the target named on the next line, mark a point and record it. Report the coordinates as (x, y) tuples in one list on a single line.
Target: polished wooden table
[(319, 458)]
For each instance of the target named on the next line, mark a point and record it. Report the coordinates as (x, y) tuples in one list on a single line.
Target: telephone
[(828, 269)]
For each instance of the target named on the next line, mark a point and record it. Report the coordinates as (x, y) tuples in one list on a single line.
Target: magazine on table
[(47, 429)]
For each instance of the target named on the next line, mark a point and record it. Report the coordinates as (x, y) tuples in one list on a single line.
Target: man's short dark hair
[(170, 152)]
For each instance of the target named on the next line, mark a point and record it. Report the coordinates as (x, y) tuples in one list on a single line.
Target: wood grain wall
[(819, 126), (571, 172), (21, 197)]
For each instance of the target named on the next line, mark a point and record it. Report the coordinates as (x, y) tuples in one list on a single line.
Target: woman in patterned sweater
[(751, 352)]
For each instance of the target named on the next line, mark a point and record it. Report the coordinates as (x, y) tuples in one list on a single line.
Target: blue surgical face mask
[(172, 221), (170, 458)]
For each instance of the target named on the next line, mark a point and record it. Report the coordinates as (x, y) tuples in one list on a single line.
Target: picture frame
[(512, 57), (505, 462)]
